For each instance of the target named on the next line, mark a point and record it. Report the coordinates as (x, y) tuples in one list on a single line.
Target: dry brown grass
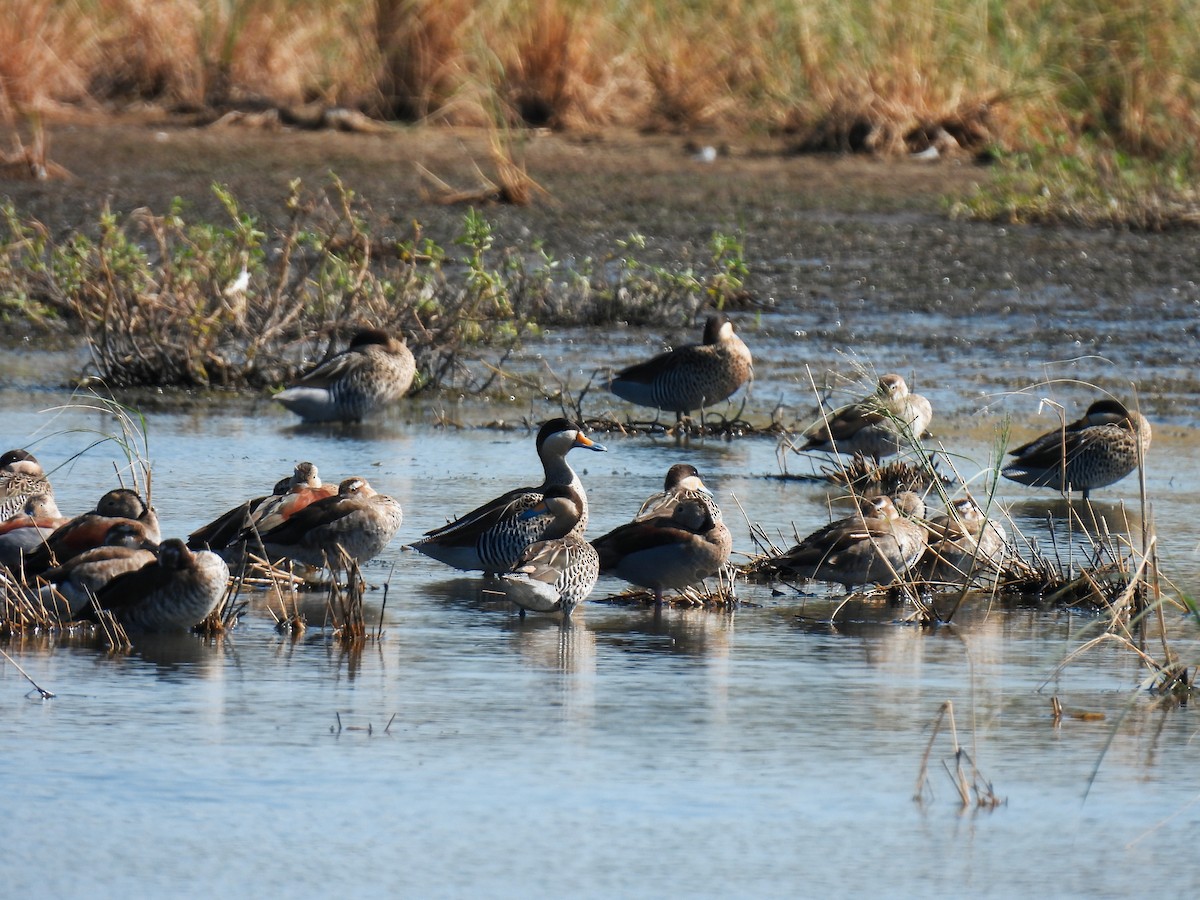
[(422, 53), (49, 51), (548, 72), (884, 77), (30, 160)]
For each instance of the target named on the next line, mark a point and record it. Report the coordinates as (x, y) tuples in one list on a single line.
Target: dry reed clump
[(885, 77), (148, 52), (548, 69), (21, 613), (865, 476), (31, 161), (422, 56), (512, 184), (722, 596)]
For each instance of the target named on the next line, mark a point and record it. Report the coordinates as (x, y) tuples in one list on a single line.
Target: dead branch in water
[(972, 789)]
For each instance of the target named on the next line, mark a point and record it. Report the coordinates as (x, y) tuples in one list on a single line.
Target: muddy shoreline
[(847, 255)]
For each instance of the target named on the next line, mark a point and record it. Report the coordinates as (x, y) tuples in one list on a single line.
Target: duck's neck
[(559, 472)]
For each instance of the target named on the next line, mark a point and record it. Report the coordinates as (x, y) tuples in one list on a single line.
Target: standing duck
[(678, 539), (375, 370), (21, 477), (691, 377), (876, 426), (874, 546), (353, 525), (1095, 451), (224, 534), (493, 537), (553, 576), (175, 592)]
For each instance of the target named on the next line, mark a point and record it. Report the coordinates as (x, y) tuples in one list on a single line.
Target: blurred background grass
[(883, 76), (1090, 106)]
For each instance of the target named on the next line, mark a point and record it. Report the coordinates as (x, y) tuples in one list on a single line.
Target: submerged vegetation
[(1092, 90)]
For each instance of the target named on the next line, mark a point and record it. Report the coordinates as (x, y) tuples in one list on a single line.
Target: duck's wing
[(321, 512), (129, 588), (842, 424), (525, 502), (329, 371), (225, 529), (648, 534), (654, 367)]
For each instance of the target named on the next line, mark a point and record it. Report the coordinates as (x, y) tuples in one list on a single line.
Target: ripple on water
[(634, 751)]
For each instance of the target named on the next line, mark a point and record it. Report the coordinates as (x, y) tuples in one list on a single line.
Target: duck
[(373, 371), (683, 482), (492, 538), (877, 426), (678, 538), (1095, 451), (964, 545), (553, 576), (289, 496), (352, 526), (692, 377), (21, 477), (27, 530), (176, 591), (89, 529), (69, 587), (875, 545)]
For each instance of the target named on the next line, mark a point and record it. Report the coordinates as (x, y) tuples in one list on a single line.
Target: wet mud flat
[(850, 258)]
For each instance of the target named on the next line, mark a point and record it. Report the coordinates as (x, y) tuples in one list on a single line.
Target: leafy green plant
[(166, 301)]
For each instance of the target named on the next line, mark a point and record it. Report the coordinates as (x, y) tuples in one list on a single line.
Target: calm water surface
[(761, 752)]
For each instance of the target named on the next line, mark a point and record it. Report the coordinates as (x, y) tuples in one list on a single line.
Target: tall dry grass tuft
[(422, 54), (549, 66), (48, 52), (1124, 70), (685, 66), (148, 51)]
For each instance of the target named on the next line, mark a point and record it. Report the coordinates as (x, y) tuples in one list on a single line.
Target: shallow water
[(760, 752)]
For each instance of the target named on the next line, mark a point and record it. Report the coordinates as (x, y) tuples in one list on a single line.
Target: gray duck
[(879, 425), (175, 592), (875, 545), (373, 371), (678, 539), (1097, 450), (692, 377), (494, 536)]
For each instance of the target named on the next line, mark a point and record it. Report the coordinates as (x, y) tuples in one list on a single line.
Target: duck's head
[(717, 328), (123, 503), (559, 436), (21, 461), (684, 477), (893, 387)]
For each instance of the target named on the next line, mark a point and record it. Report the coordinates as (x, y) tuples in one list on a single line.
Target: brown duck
[(689, 378), (1100, 449)]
